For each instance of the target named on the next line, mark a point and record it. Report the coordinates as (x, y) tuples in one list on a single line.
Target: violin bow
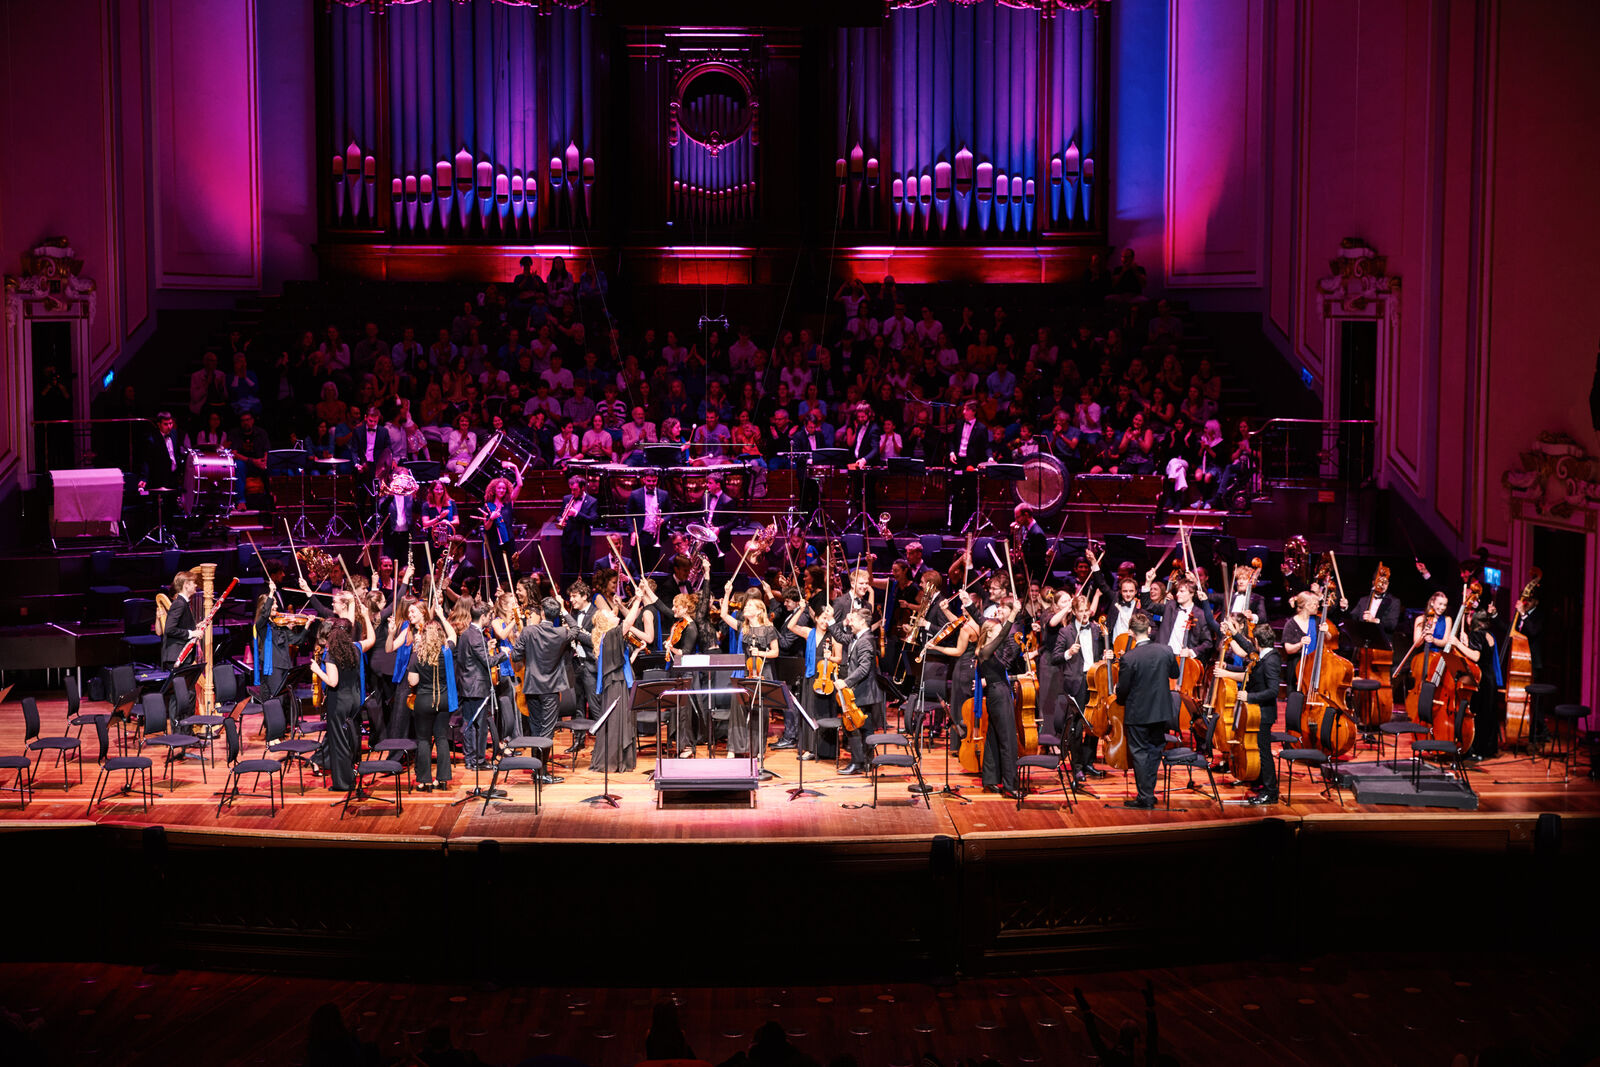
[(1338, 582)]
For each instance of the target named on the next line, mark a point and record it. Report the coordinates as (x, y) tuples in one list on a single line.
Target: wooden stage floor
[(1510, 788)]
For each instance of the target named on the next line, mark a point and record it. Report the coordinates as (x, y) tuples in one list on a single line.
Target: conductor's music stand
[(605, 796)]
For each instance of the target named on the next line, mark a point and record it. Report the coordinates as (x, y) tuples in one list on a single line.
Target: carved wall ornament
[(1557, 476), (1359, 282), (51, 278)]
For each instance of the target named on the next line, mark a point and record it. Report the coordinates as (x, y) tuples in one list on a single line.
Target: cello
[(1519, 667), (1224, 695), (1106, 715)]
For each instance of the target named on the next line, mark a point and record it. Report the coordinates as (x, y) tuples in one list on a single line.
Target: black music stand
[(605, 795), (490, 704), (652, 693), (659, 456), (158, 534), (997, 472), (757, 708), (800, 789)]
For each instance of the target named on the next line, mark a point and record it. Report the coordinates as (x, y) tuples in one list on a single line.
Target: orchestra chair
[(1397, 728), (403, 749), (65, 748), (1309, 757), (1189, 759), (513, 763), (238, 767), (226, 691), (579, 728), (1537, 692), (105, 593), (128, 765), (125, 702), (374, 769), (1564, 737), (1055, 762), (75, 717), (904, 759), (138, 630), (274, 727), (22, 784), (176, 746), (1363, 691), (1445, 752)]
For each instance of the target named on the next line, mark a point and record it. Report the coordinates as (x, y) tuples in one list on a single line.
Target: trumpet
[(883, 527)]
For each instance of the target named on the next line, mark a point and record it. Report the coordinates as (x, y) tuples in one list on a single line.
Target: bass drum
[(207, 484), (489, 464), (1044, 483)]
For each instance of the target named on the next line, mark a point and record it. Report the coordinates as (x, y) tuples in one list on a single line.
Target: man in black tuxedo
[(1261, 691), (647, 508), (579, 512), (473, 659), (1035, 545), (161, 466), (543, 651), (369, 445), (1378, 607), (861, 678), (714, 510), (1243, 599), (182, 617), (1145, 689), (1186, 626), (580, 661), (398, 517), (969, 448), (864, 438), (1079, 646)]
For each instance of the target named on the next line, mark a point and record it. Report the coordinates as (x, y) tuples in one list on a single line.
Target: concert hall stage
[(708, 888)]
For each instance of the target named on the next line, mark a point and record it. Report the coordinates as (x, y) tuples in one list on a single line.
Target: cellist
[(1079, 645), (1261, 692)]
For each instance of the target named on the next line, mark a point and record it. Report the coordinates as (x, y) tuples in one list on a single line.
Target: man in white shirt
[(742, 353), (898, 328), (557, 377), (636, 433), (208, 386)]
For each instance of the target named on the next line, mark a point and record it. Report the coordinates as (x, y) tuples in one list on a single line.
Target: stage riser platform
[(616, 911)]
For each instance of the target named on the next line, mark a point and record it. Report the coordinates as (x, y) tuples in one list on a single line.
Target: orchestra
[(1097, 666)]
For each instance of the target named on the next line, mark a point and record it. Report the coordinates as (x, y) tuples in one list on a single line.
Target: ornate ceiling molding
[(1557, 476), (50, 280)]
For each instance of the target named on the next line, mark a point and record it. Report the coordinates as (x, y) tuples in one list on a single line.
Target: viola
[(826, 680), (849, 711)]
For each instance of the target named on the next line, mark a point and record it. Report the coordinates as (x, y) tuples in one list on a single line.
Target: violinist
[(399, 645), (860, 676), (603, 586), (580, 664), (337, 664), (996, 652), (505, 628), (275, 636), (822, 654), (961, 649), (1185, 627), (758, 638), (430, 676), (792, 646), (1078, 646), (1261, 691)]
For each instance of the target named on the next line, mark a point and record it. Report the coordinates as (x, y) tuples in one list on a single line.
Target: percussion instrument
[(1044, 483), (207, 484), (622, 479), (488, 463), (689, 483)]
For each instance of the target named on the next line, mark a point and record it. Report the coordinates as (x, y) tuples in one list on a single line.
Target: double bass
[(1106, 715), (1224, 696), (1245, 742), (1325, 680), (1442, 698), (1519, 669), (1378, 665)]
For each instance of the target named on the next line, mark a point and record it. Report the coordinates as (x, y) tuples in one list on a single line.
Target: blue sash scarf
[(977, 695), (402, 656), (735, 639), (503, 529), (263, 656), (449, 678), (600, 664), (811, 653)]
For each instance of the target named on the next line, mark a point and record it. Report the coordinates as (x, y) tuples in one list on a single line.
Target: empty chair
[(1054, 762), (128, 765), (207, 724), (65, 748), (176, 746), (238, 767), (510, 764), (903, 759), (273, 727)]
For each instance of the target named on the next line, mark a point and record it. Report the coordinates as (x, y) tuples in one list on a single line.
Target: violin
[(676, 633)]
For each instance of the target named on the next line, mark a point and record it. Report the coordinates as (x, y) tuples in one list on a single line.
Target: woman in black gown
[(995, 656), (691, 633), (820, 650), (616, 740), (747, 728), (334, 664), (431, 678)]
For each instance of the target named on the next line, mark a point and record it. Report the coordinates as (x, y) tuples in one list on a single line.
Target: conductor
[(1144, 688)]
